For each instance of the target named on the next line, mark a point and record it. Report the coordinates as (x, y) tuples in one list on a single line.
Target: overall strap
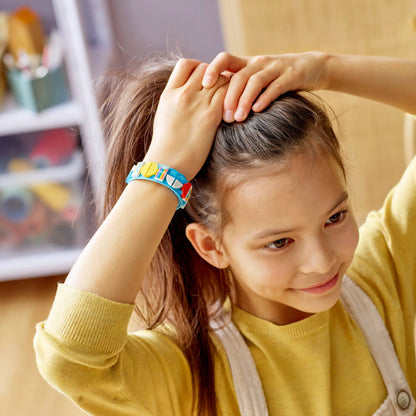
[(246, 379), (365, 313)]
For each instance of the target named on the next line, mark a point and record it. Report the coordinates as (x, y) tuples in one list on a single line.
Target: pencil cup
[(37, 93)]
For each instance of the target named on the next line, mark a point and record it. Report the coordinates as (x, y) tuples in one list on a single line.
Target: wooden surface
[(22, 390), (371, 133)]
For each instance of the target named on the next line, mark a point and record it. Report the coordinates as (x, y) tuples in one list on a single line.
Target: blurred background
[(53, 55)]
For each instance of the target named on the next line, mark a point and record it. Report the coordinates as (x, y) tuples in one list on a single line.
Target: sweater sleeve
[(385, 260), (84, 351)]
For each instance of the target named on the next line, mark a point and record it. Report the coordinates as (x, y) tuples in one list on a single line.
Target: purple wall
[(143, 27)]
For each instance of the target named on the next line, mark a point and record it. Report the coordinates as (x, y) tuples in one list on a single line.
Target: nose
[(319, 257)]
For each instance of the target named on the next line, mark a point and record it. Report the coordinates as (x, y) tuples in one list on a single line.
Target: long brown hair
[(180, 287)]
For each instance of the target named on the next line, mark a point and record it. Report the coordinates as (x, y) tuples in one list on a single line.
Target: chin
[(324, 302), (322, 305)]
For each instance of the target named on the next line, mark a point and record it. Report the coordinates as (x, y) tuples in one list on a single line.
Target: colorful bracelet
[(171, 178)]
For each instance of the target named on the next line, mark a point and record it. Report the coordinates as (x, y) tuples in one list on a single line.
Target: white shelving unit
[(84, 62), (17, 120)]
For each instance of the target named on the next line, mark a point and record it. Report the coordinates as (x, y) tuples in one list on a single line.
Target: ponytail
[(179, 286)]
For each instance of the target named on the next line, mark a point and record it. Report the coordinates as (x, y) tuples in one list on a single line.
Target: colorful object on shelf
[(25, 32), (41, 192), (16, 204), (54, 195), (41, 92), (37, 223), (54, 147), (26, 220), (35, 71), (16, 165)]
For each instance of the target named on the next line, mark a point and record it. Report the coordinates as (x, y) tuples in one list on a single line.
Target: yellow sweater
[(319, 366)]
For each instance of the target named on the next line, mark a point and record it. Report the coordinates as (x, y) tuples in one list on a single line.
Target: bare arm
[(261, 79), (115, 261), (389, 80)]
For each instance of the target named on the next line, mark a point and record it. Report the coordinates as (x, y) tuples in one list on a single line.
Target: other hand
[(261, 79)]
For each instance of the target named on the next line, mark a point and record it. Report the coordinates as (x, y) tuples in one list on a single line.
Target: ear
[(205, 245)]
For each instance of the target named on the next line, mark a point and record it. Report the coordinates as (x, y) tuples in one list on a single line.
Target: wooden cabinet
[(371, 133)]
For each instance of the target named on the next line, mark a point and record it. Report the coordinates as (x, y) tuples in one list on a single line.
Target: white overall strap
[(400, 400), (247, 384)]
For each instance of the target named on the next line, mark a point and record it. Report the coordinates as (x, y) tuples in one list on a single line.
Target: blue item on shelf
[(16, 204)]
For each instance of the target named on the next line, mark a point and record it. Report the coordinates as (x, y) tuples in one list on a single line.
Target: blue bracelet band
[(171, 178)]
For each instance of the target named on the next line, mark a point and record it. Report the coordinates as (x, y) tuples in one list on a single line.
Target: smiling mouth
[(328, 285)]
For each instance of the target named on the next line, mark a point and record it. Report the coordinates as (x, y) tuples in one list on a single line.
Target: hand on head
[(256, 81), (187, 118)]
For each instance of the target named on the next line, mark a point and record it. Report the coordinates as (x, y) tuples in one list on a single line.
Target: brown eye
[(339, 216), (279, 244)]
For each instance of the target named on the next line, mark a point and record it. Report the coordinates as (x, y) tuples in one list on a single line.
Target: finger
[(227, 74), (255, 84), (217, 101), (237, 84), (181, 72), (195, 79), (223, 61), (221, 82), (274, 90)]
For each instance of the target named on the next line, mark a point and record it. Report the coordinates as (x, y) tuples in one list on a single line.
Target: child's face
[(290, 239)]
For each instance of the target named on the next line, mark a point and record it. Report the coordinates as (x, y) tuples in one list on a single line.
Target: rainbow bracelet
[(166, 176)]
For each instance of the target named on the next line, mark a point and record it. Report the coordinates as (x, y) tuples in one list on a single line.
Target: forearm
[(388, 80), (116, 259)]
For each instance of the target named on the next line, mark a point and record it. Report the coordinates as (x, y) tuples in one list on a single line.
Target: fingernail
[(257, 106), (206, 82), (228, 116), (239, 114)]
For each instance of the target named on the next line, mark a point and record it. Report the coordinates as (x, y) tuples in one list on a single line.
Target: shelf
[(45, 263), (17, 120), (85, 63), (68, 172)]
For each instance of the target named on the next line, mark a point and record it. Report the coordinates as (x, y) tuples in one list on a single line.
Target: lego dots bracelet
[(164, 175)]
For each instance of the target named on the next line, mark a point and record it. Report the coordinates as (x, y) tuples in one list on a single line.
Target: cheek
[(349, 239), (257, 269)]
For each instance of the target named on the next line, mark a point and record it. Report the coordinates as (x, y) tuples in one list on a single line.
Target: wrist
[(163, 175), (325, 75), (334, 69), (170, 158)]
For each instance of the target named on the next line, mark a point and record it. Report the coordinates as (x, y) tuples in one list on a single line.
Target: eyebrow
[(263, 234)]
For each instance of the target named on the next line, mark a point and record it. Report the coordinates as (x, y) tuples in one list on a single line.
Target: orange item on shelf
[(25, 32)]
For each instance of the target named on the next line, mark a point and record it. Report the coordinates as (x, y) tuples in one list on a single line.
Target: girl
[(241, 289)]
